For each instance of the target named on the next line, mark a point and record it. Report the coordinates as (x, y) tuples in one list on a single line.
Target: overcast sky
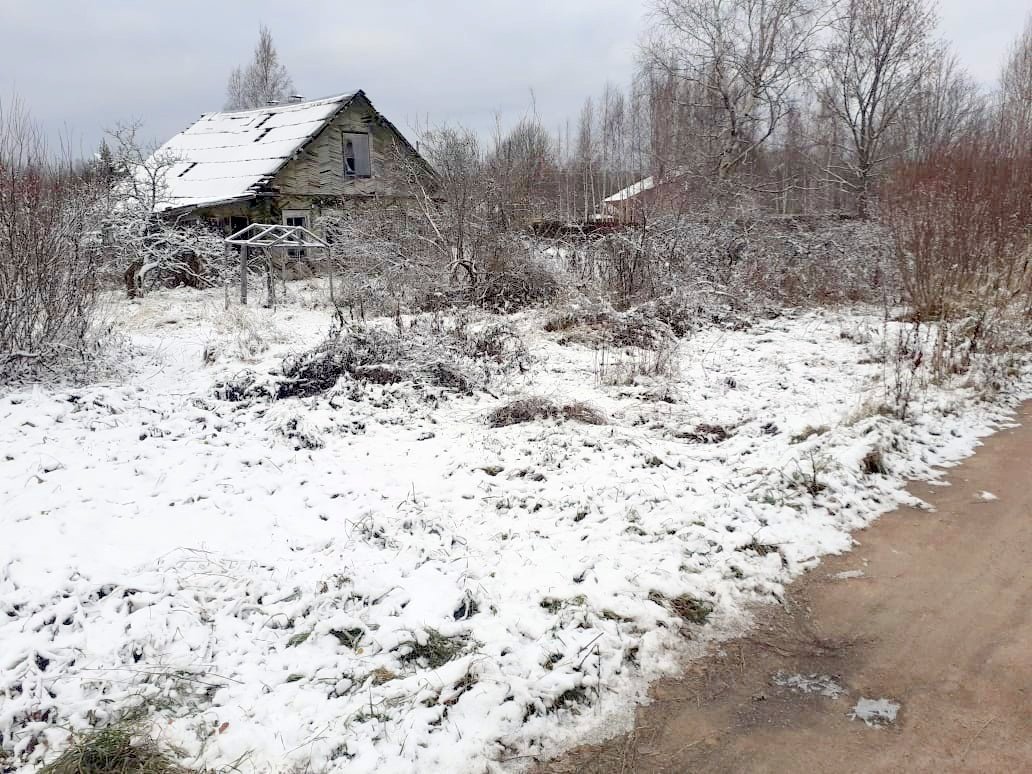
[(82, 65)]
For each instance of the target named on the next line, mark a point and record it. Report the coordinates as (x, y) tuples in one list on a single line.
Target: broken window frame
[(360, 158)]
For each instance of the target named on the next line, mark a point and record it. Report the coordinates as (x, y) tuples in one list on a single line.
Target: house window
[(296, 218), (355, 150)]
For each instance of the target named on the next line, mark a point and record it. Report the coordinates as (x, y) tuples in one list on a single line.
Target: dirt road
[(931, 612)]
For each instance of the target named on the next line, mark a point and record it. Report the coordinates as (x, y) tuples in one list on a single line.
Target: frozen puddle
[(822, 685), (875, 712)]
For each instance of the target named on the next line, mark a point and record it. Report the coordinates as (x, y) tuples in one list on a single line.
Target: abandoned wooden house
[(284, 163)]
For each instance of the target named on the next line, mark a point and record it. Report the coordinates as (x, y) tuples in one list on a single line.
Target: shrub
[(513, 280), (50, 259)]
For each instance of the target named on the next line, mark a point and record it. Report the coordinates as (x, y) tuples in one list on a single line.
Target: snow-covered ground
[(376, 580)]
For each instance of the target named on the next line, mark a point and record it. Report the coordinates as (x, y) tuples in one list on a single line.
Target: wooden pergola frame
[(269, 237)]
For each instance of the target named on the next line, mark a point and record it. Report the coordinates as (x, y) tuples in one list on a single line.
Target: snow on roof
[(227, 156), (632, 190)]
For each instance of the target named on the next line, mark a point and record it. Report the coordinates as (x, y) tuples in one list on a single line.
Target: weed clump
[(687, 608), (435, 651), (873, 463), (704, 433), (599, 326), (534, 408), (120, 748)]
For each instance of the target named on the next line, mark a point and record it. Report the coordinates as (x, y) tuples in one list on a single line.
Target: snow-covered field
[(373, 579)]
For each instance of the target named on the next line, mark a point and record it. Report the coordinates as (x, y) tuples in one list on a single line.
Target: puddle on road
[(875, 712), (823, 685)]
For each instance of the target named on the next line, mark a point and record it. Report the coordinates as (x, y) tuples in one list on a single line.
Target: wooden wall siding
[(319, 169)]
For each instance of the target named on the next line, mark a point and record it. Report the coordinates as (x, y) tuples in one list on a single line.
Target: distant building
[(647, 198), (284, 163)]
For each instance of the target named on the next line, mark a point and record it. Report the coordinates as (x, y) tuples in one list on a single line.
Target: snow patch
[(875, 712), (824, 685), (848, 575)]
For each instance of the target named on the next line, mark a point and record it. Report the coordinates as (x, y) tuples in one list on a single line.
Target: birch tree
[(261, 82)]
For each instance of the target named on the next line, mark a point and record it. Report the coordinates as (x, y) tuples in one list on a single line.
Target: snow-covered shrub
[(156, 252), (730, 266), (514, 279), (498, 342), (50, 258)]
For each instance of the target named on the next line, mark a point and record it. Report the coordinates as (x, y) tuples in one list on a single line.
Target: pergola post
[(270, 282), (245, 255)]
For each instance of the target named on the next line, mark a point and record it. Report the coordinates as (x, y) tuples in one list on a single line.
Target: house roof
[(647, 184), (228, 156)]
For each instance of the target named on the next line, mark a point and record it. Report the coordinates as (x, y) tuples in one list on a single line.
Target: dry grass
[(615, 366), (121, 748)]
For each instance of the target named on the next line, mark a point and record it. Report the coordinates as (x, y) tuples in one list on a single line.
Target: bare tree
[(1016, 88), (152, 248), (745, 57), (877, 59), (264, 81), (523, 166), (452, 201), (143, 168), (944, 108)]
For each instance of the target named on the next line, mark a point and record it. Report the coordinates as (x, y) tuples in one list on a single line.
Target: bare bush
[(961, 221), (50, 257)]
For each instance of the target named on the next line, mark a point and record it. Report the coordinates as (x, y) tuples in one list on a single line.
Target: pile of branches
[(455, 358)]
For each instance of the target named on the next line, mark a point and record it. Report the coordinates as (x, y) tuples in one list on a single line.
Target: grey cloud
[(85, 65)]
